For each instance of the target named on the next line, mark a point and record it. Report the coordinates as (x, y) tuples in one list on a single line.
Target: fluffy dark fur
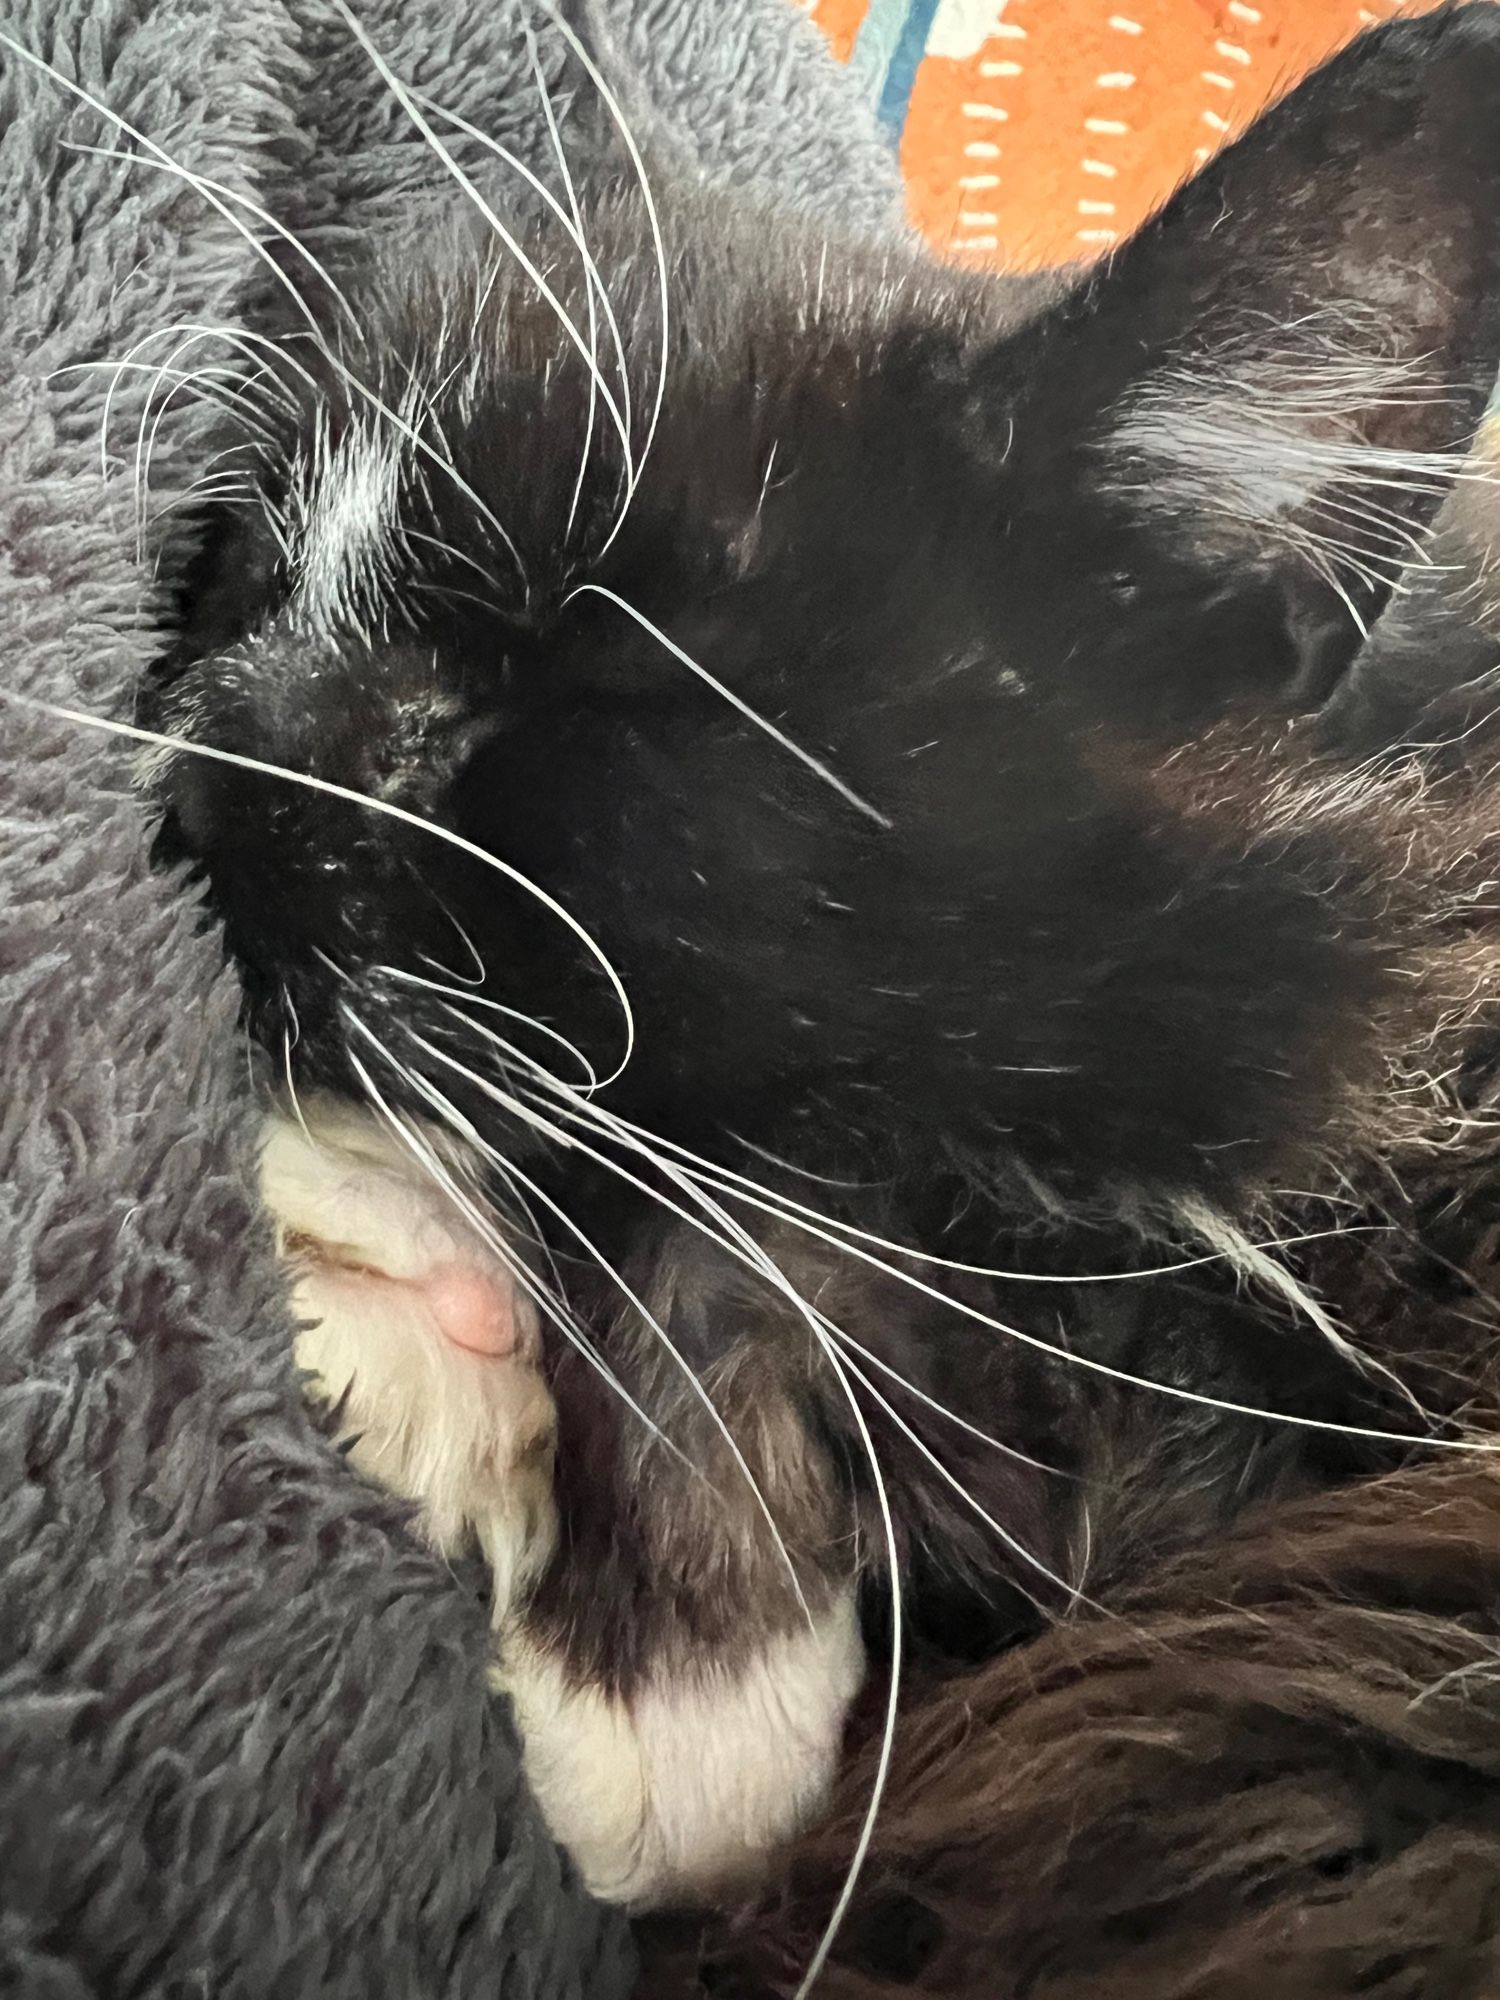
[(1082, 938), (1274, 1770)]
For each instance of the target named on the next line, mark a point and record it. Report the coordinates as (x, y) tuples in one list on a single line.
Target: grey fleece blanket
[(245, 1745)]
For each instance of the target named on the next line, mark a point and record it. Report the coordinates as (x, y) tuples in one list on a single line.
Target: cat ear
[(1272, 386)]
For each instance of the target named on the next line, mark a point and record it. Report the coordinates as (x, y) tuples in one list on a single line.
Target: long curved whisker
[(495, 1006), (208, 190), (226, 202), (572, 224), (1245, 1258), (457, 555), (751, 1187), (592, 283), (551, 1307), (146, 445), (776, 1201), (158, 739), (1242, 1252), (758, 1259), (291, 1034), (761, 1260), (162, 163), (214, 387), (697, 1189), (945, 1411), (263, 345), (735, 1239), (250, 419), (625, 1290), (814, 764), (592, 1114), (253, 346), (611, 104), (414, 112)]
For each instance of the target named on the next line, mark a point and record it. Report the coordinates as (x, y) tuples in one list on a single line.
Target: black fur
[(1065, 969)]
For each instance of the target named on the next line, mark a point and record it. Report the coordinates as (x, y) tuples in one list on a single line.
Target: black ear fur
[(1264, 396)]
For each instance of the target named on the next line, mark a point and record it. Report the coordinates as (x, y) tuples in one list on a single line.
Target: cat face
[(834, 710)]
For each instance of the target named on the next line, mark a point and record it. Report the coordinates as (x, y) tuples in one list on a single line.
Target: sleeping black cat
[(942, 940)]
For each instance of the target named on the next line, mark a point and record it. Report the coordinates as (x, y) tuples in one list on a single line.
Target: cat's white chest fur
[(424, 1325)]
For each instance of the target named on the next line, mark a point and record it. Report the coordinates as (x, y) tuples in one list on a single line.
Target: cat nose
[(273, 731)]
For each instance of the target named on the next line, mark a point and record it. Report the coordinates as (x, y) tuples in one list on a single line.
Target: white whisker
[(1012, 1542), (146, 445), (214, 387), (825, 1330), (511, 1013), (696, 1189), (752, 1254), (780, 736), (414, 112), (733, 1237), (291, 1034), (220, 199), (706, 1176), (592, 283), (625, 1290), (1243, 1256), (593, 1114), (611, 104), (162, 163), (458, 555), (567, 1324), (572, 224), (208, 189), (923, 1397), (784, 1202), (133, 732), (253, 347), (791, 1167), (948, 1414)]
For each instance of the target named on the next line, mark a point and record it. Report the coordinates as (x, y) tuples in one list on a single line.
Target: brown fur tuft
[(1271, 1769)]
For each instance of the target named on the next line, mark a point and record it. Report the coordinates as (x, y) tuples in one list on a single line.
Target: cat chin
[(682, 1791)]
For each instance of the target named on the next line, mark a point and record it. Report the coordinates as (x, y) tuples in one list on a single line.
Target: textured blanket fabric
[(245, 1745), (1034, 133)]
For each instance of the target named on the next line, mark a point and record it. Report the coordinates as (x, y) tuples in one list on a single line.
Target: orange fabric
[(840, 21), (1056, 126)]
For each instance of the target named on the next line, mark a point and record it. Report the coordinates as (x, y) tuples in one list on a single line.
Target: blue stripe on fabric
[(901, 72), (876, 43)]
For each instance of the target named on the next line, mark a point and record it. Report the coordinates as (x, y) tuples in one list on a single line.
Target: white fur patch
[(691, 1784), (1269, 438), (468, 1436), (351, 527)]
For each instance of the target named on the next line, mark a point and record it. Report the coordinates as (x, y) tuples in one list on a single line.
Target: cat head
[(808, 656)]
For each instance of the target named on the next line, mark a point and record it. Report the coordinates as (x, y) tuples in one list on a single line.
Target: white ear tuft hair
[(1270, 443)]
